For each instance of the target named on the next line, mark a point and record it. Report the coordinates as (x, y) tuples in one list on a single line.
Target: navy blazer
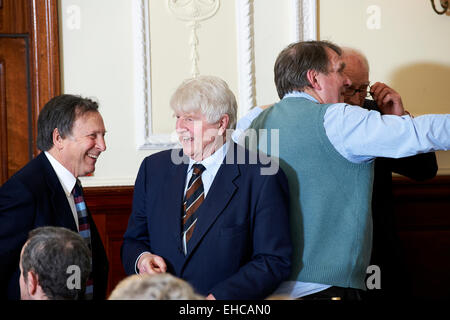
[(31, 198), (240, 248)]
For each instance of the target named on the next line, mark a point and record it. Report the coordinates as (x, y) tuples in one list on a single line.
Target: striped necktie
[(84, 230), (192, 201)]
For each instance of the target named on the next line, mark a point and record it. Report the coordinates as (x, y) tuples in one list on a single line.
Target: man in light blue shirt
[(327, 148)]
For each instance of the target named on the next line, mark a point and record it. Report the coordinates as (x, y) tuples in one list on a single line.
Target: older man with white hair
[(203, 214)]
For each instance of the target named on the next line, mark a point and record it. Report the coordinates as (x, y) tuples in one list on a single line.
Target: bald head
[(357, 69)]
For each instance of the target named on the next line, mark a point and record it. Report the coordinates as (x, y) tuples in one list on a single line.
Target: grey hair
[(49, 252), (211, 95)]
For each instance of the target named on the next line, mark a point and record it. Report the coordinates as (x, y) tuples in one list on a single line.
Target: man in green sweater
[(326, 149)]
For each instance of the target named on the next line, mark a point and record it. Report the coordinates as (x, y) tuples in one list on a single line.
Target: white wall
[(409, 51)]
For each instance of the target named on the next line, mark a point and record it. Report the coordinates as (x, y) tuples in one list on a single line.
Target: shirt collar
[(214, 160), (300, 94), (65, 177)]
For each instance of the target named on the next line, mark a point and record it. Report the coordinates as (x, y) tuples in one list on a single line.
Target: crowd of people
[(292, 200)]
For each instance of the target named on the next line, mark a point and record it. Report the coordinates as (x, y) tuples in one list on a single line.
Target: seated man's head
[(313, 67), (55, 264), (160, 286), (205, 108)]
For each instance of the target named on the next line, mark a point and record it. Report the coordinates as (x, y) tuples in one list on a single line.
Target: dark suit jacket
[(240, 248), (386, 252), (32, 198)]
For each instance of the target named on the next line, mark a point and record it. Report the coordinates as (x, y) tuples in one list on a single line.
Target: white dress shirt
[(67, 181)]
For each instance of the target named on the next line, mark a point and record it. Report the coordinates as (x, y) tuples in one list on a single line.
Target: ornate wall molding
[(193, 11), (145, 138), (303, 26)]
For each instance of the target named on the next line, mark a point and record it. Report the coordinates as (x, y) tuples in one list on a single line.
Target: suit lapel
[(173, 191), (219, 195), (61, 208)]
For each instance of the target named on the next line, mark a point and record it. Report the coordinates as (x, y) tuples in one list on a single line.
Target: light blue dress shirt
[(360, 135)]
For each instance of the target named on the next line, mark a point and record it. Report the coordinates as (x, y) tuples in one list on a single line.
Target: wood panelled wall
[(29, 76), (423, 226)]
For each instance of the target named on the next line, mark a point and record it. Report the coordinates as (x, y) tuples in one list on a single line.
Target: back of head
[(61, 112), (293, 63), (53, 254), (211, 95), (162, 286)]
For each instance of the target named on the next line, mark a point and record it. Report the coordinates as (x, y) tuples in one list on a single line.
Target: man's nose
[(101, 144), (347, 81)]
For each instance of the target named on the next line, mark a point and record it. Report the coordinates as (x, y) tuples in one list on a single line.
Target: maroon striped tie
[(192, 201)]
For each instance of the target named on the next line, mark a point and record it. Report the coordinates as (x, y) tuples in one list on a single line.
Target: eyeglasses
[(350, 91)]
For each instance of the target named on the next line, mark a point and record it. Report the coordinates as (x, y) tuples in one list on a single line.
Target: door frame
[(45, 58)]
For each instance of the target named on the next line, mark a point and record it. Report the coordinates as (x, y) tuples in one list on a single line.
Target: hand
[(210, 297), (387, 99), (151, 263)]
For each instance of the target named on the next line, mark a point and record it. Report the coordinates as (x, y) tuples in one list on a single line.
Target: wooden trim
[(101, 199), (433, 189), (3, 125), (45, 61)]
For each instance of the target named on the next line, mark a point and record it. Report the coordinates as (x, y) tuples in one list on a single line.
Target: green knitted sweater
[(331, 224)]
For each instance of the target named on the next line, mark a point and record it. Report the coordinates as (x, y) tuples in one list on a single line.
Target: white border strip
[(145, 139), (246, 56), (309, 18)]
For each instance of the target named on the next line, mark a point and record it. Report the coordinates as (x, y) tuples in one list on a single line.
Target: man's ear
[(223, 122), (57, 139), (32, 283), (312, 76)]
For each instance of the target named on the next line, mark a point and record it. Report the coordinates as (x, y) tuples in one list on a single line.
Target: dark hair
[(61, 112), (295, 60), (49, 252)]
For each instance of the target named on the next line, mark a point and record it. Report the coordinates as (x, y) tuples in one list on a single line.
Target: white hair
[(211, 95)]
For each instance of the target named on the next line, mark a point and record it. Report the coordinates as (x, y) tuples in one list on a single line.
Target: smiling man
[(47, 192), (212, 220)]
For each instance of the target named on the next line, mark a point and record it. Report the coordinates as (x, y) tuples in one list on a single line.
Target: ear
[(57, 139), (32, 283), (312, 76), (223, 124)]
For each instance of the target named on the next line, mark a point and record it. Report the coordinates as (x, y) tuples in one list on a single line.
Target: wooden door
[(17, 140), (29, 76)]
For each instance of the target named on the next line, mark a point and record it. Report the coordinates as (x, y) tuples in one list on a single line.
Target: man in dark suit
[(46, 192), (386, 250), (206, 214)]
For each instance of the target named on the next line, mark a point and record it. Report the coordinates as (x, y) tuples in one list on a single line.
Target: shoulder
[(256, 164), (165, 156), (167, 159), (33, 173)]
